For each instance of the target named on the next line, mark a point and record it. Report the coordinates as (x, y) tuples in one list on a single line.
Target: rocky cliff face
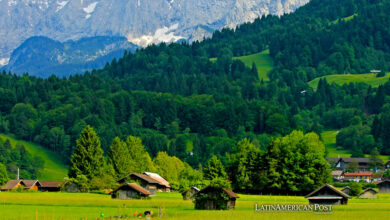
[(140, 21)]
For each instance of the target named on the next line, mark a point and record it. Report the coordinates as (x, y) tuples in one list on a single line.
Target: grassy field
[(340, 79), (54, 169), (344, 19), (329, 139), (90, 206), (262, 60)]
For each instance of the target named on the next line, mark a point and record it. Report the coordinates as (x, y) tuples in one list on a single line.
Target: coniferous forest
[(218, 116)]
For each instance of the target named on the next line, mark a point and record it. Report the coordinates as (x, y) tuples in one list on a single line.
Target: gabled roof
[(145, 178), (338, 192), (355, 159), (135, 187), (51, 184), (367, 190), (11, 184), (140, 176), (358, 174), (158, 178), (195, 188), (30, 183), (230, 193)]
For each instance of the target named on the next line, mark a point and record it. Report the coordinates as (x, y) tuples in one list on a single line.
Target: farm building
[(51, 186), (357, 177), (29, 185), (189, 194), (384, 186), (368, 194), (377, 177), (215, 198), (151, 184), (130, 191), (163, 184), (327, 194), (346, 190)]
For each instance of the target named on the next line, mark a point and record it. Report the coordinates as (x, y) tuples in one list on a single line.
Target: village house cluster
[(356, 170)]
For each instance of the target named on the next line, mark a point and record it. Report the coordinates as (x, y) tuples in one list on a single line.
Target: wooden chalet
[(130, 191), (328, 194), (346, 190), (215, 198), (384, 186), (51, 186), (29, 185), (368, 194), (145, 181), (163, 186)]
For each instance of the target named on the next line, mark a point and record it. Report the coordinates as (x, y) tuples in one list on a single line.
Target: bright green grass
[(344, 19), (54, 169), (262, 60), (89, 206), (340, 79), (329, 139)]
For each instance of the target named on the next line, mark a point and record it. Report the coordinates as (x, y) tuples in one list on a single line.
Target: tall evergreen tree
[(118, 157), (87, 159), (215, 169)]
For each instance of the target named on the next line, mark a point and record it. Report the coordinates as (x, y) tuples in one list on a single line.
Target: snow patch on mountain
[(61, 5), (164, 34), (90, 9)]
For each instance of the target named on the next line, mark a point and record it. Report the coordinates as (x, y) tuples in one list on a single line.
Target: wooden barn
[(327, 194), (368, 194), (130, 191), (151, 184), (29, 185), (215, 198), (384, 186), (346, 190), (163, 185), (190, 194), (51, 186)]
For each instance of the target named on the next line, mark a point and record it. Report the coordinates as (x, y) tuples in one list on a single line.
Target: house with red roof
[(357, 177)]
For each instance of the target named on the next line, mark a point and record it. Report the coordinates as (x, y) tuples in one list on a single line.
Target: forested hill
[(177, 100)]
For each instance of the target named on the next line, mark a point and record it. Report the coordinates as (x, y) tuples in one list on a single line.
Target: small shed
[(145, 181), (328, 194), (29, 185), (346, 190), (368, 194), (130, 191), (190, 193), (163, 184), (215, 198), (384, 186), (51, 186)]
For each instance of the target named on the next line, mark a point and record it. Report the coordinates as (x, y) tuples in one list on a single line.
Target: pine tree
[(140, 160), (87, 159), (215, 169), (118, 157)]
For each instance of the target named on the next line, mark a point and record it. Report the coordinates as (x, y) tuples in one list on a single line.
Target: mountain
[(140, 21), (42, 56)]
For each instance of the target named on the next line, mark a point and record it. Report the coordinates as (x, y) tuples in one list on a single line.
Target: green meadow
[(329, 139), (54, 168), (340, 79), (262, 60), (90, 206)]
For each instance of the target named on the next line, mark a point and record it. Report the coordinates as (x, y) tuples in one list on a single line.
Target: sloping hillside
[(54, 168), (340, 79)]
